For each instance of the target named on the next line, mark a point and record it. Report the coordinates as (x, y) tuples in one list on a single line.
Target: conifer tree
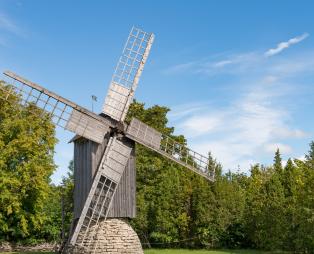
[(278, 162), (310, 156)]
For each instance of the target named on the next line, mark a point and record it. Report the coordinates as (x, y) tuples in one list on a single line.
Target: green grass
[(182, 251)]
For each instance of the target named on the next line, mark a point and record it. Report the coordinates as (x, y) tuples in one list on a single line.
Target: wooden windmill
[(105, 184)]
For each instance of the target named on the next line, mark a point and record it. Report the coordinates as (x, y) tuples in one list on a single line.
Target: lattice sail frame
[(63, 112), (98, 202), (127, 73), (168, 147)]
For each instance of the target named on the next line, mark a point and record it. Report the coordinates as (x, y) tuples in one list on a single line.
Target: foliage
[(60, 198), (272, 208), (26, 163)]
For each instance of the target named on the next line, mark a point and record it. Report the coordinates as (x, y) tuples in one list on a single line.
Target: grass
[(180, 251)]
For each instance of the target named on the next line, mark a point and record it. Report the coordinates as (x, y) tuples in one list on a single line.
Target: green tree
[(161, 214), (26, 163), (60, 197), (265, 214), (310, 156), (304, 211), (67, 196), (278, 162)]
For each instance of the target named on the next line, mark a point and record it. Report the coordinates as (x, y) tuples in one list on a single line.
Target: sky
[(238, 76)]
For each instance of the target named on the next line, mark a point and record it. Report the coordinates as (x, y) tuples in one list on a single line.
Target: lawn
[(182, 251)]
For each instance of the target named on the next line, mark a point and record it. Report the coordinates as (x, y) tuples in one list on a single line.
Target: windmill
[(109, 129)]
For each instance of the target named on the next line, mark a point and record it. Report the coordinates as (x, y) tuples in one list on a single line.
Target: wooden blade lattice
[(98, 202), (63, 112), (168, 147), (127, 73)]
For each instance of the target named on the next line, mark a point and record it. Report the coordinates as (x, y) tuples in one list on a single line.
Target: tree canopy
[(26, 164), (271, 208)]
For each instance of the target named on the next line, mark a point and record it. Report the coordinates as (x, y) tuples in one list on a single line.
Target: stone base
[(43, 247), (115, 236)]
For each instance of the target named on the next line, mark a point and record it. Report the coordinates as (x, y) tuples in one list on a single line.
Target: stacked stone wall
[(114, 236)]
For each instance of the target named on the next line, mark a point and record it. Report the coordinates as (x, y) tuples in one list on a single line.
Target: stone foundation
[(115, 236), (10, 247)]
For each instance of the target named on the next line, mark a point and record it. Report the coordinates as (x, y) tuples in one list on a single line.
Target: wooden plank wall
[(87, 156)]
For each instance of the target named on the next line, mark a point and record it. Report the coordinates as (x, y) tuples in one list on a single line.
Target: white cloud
[(7, 24), (287, 133), (284, 163), (199, 125), (180, 68), (238, 134), (180, 111), (230, 154), (284, 149), (259, 116), (286, 44), (301, 158), (222, 63), (248, 63), (233, 64)]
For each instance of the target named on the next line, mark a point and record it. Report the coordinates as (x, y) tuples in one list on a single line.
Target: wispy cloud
[(259, 116), (250, 125), (286, 44), (180, 67), (240, 63), (272, 148), (8, 28), (178, 112), (198, 125), (230, 64), (223, 63), (7, 25)]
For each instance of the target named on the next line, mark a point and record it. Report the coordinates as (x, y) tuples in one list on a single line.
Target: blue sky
[(237, 75)]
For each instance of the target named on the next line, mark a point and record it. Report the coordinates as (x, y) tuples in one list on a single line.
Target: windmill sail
[(166, 146), (63, 112), (100, 196), (127, 73)]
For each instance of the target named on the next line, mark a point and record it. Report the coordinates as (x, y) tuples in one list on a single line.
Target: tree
[(67, 196), (310, 156), (278, 162), (60, 197), (214, 166), (304, 210), (26, 163), (161, 190)]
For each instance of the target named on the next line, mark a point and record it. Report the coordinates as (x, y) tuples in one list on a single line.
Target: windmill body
[(87, 156), (104, 144)]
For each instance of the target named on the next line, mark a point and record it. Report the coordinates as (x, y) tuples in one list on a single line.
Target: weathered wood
[(87, 156), (56, 96), (85, 126)]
